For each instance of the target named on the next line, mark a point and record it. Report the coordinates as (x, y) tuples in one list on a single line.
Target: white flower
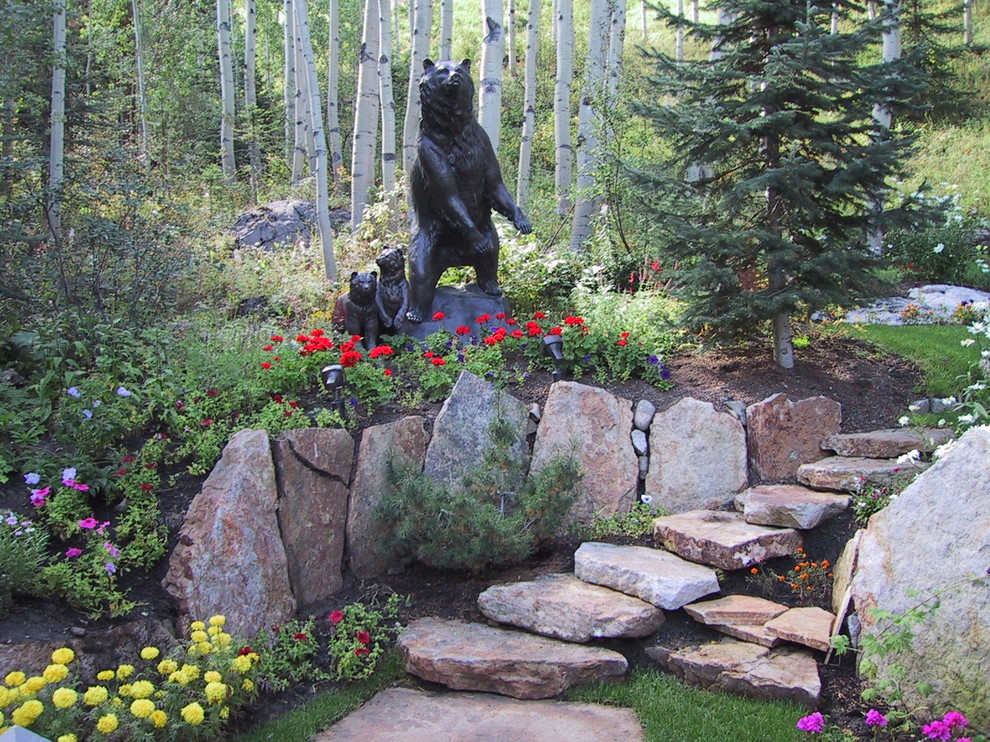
[(646, 499), (914, 408), (910, 457), (967, 419), (943, 449), (967, 342), (938, 248), (903, 420), (942, 423), (948, 401)]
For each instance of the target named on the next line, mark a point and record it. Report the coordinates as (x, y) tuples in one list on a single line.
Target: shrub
[(361, 634)]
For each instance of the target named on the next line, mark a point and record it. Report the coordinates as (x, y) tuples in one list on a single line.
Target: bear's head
[(363, 287), (446, 92), (392, 262)]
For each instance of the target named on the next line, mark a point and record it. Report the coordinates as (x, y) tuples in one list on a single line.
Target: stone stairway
[(537, 649)]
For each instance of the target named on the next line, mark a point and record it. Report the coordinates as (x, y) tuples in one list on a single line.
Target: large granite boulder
[(698, 457), (404, 443), (230, 559), (595, 427), (933, 543), (782, 434), (313, 467)]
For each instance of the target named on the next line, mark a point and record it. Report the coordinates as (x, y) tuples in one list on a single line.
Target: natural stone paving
[(887, 443), (656, 576), (789, 506), (722, 539), (472, 656), (745, 669), (739, 616), (564, 607), (419, 716), (810, 626), (851, 474)]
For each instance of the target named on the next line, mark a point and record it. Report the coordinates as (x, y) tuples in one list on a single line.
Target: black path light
[(553, 346), (334, 379)]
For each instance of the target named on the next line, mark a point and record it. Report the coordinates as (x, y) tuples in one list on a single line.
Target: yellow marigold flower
[(178, 677), (105, 675), (64, 698), (63, 656), (213, 630), (14, 679), (142, 689), (117, 702), (193, 714), (150, 653), (197, 626), (125, 671), (218, 620), (248, 685), (212, 677), (67, 738), (55, 673), (224, 639), (216, 692), (159, 719), (107, 723), (204, 647), (27, 712), (190, 671), (225, 713), (124, 690), (35, 683), (95, 695), (199, 636), (6, 697), (142, 708), (241, 663), (167, 667)]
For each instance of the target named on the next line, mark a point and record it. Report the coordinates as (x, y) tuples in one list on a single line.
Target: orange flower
[(754, 571)]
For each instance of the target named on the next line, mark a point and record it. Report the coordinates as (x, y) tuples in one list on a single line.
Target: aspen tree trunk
[(698, 171), (967, 21), (563, 153), (7, 148), (589, 120), (644, 20), (419, 51), (333, 92), (510, 37), (365, 116), (835, 20), (679, 44), (387, 97), (250, 87), (139, 65), (289, 79), (56, 161), (446, 29), (490, 86), (871, 10), (320, 144), (616, 42), (529, 103), (301, 150), (890, 52), (694, 10), (226, 92)]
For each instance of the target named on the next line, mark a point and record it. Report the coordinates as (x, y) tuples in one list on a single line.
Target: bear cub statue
[(392, 297), (357, 311), (455, 183)]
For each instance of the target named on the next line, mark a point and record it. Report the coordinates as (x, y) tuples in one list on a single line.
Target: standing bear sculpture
[(455, 183)]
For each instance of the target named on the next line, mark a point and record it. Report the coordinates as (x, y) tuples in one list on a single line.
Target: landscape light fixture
[(334, 379), (553, 346)]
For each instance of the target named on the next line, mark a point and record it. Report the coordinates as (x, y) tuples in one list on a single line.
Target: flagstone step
[(739, 616), (851, 474), (810, 626), (789, 505), (656, 576), (887, 443), (723, 539), (473, 656), (563, 607), (419, 716)]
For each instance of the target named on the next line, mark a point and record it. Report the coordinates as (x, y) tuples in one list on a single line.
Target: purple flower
[(32, 478), (73, 391), (87, 523), (875, 719), (110, 567), (88, 414), (73, 552), (112, 550), (814, 723), (11, 520), (665, 373), (955, 719), (102, 527), (38, 496), (937, 730), (653, 360), (69, 473), (121, 392)]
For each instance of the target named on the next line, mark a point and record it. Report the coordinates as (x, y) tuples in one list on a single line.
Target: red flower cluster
[(300, 637), (463, 330), (623, 339), (539, 315), (336, 617), (484, 318), (277, 338), (316, 340), (439, 362), (496, 337), (363, 637), (361, 651), (350, 358), (146, 487), (381, 350), (555, 331), (245, 650), (533, 329), (438, 316), (572, 321)]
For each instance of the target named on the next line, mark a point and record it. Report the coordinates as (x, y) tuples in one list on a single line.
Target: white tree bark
[(490, 85), (365, 115), (679, 43), (616, 42), (834, 29), (319, 140), (250, 85), (644, 20), (589, 125), (226, 92), (446, 29), (563, 152), (418, 52), (139, 66), (891, 52), (302, 140), (56, 157), (967, 21), (694, 10), (529, 103), (333, 92), (387, 96), (702, 170), (510, 37), (289, 79)]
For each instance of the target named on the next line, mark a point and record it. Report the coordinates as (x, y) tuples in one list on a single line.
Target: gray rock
[(888, 443), (789, 506), (369, 552), (276, 224), (472, 656), (459, 305), (461, 429), (921, 406), (810, 626), (644, 466), (639, 442), (853, 474), (313, 467), (656, 576), (699, 457), (594, 426), (723, 539), (564, 607), (420, 716), (942, 404), (230, 559), (782, 434), (933, 541), (734, 609), (643, 415), (844, 569), (737, 409)]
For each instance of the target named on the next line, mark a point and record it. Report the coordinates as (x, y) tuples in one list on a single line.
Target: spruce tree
[(785, 162)]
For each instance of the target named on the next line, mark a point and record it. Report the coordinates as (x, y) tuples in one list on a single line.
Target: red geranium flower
[(463, 330), (555, 331), (127, 459), (207, 422), (120, 472), (146, 487), (510, 321), (300, 637), (361, 651), (363, 637), (265, 365), (439, 362), (277, 338), (491, 340), (212, 392), (268, 347), (350, 358), (336, 617), (623, 334), (623, 341), (388, 372), (439, 316), (381, 350), (533, 329), (573, 320), (539, 315), (500, 315), (302, 338), (516, 334), (428, 354), (346, 346), (277, 398), (484, 318), (293, 404), (317, 332), (244, 651)]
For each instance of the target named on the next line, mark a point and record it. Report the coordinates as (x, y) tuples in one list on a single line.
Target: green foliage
[(873, 498), (362, 634), (638, 522), (289, 658), (939, 254), (23, 555)]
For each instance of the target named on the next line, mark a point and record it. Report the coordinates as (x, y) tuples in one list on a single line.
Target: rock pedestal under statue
[(460, 306)]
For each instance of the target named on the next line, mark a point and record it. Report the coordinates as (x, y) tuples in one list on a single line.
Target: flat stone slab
[(754, 633), (851, 474), (739, 616), (656, 576), (888, 443), (789, 506), (745, 669), (563, 607), (420, 716), (811, 627), (473, 656), (722, 539)]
